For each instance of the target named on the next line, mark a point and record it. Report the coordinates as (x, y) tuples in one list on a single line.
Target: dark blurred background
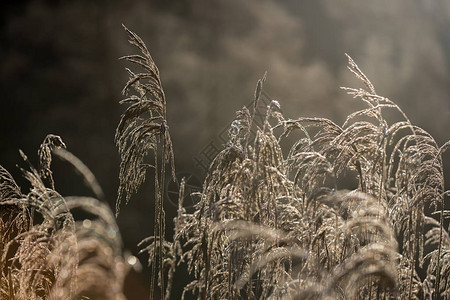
[(59, 74)]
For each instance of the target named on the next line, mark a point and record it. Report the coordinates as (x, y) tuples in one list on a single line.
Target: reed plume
[(142, 130)]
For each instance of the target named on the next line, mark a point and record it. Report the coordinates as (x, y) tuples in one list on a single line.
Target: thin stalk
[(438, 264), (161, 221), (155, 230)]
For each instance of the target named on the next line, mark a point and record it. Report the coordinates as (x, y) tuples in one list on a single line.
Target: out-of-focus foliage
[(56, 247)]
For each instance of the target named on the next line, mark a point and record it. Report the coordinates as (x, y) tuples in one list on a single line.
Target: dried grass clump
[(46, 253), (270, 224)]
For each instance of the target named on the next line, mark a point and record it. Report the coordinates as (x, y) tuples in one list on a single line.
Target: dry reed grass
[(268, 224), (46, 253)]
